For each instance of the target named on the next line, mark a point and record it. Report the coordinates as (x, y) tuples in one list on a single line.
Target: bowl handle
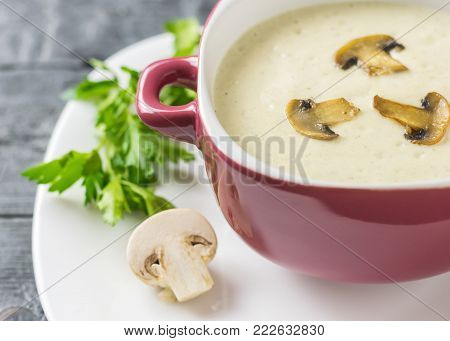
[(178, 122)]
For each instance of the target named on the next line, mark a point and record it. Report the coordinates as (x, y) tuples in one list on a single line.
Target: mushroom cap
[(166, 247), (314, 119), (372, 53)]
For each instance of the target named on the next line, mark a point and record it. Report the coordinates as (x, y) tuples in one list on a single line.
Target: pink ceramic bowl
[(360, 233)]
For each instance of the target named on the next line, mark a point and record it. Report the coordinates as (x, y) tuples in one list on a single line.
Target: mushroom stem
[(186, 273), (413, 117)]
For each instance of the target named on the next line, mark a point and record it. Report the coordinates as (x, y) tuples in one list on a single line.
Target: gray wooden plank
[(16, 268), (30, 106), (91, 28)]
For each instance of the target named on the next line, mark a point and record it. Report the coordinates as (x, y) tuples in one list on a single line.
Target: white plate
[(82, 269)]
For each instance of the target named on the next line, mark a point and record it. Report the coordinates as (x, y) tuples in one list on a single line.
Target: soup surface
[(292, 56)]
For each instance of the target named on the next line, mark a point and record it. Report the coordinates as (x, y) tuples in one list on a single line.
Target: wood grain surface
[(34, 71)]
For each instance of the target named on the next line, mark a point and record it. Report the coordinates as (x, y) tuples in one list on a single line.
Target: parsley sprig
[(120, 175)]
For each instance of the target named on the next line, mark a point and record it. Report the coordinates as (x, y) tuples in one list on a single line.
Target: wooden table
[(34, 71)]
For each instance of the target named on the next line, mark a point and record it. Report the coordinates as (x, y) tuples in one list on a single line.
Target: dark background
[(34, 71)]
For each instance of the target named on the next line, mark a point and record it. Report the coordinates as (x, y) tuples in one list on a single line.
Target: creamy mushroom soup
[(293, 57)]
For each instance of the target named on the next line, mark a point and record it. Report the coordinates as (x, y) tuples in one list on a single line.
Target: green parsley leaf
[(72, 171), (112, 202), (89, 90), (61, 173), (174, 95), (44, 173), (187, 36), (145, 199), (94, 178)]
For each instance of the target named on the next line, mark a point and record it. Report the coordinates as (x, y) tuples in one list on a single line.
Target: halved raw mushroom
[(372, 53), (171, 250), (314, 119), (426, 125)]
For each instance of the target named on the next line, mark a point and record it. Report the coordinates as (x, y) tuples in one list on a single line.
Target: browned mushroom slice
[(372, 53), (314, 119), (427, 125)]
